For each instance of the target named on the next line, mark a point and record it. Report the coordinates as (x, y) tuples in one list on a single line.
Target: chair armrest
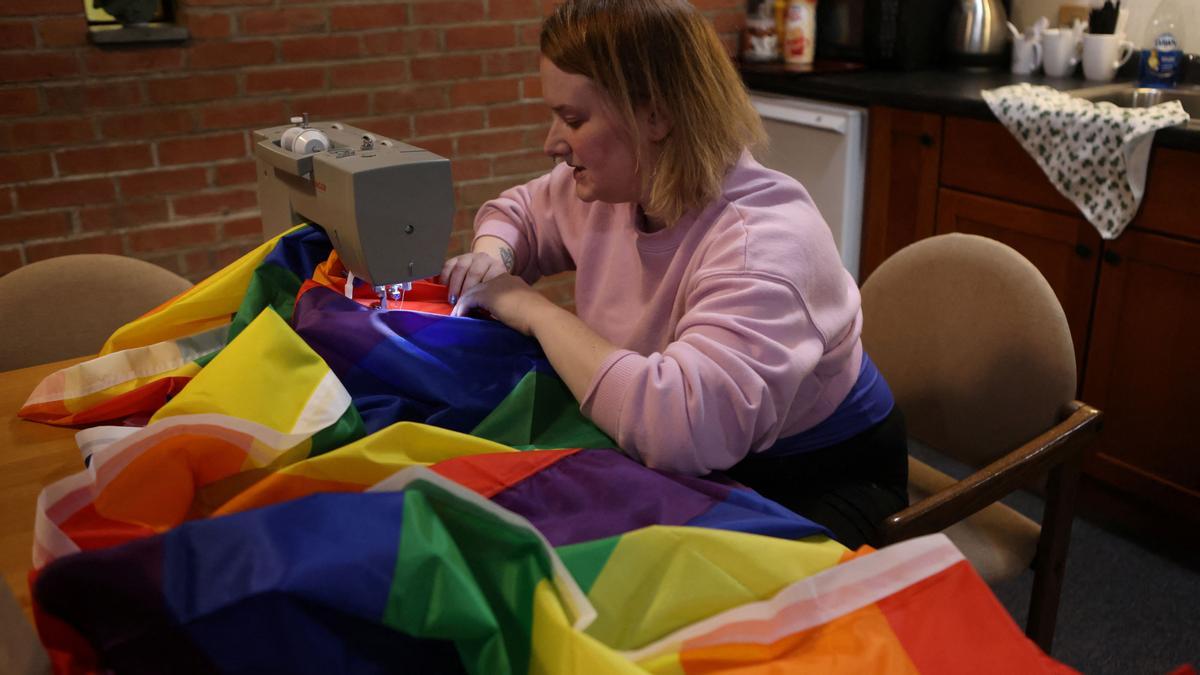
[(1063, 442)]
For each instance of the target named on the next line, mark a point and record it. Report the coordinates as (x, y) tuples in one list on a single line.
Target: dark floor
[(1125, 608)]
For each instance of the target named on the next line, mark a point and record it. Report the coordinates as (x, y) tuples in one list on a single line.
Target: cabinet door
[(1063, 248), (1144, 369), (902, 182), (1170, 188), (983, 157)]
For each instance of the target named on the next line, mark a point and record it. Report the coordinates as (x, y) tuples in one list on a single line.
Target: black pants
[(849, 488)]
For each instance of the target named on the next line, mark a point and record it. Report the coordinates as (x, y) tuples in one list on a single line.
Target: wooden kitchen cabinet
[(903, 152), (1133, 303), (983, 157), (1144, 369)]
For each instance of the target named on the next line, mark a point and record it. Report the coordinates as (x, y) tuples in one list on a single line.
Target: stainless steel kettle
[(976, 35)]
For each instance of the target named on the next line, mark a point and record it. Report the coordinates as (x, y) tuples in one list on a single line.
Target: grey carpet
[(1125, 609)]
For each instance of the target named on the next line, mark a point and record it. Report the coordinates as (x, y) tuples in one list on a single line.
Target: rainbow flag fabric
[(276, 478)]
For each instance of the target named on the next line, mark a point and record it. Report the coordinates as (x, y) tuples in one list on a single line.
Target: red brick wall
[(146, 151)]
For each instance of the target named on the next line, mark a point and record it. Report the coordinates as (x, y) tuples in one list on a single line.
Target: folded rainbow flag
[(288, 481)]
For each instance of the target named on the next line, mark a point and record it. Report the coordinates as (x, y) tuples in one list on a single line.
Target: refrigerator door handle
[(818, 119)]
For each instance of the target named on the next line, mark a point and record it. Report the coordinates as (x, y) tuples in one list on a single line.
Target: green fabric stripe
[(463, 574), (271, 286), (347, 429), (541, 413), (585, 560)]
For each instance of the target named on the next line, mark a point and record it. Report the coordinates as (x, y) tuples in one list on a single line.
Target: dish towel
[(1095, 154)]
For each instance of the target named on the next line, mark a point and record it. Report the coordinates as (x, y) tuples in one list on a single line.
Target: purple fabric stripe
[(602, 493)]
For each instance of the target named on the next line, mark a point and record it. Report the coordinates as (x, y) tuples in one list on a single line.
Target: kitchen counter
[(939, 91)]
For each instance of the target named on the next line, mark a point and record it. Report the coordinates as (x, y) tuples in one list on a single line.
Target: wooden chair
[(68, 306), (976, 349)]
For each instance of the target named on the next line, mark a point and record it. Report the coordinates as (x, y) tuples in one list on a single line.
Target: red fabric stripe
[(952, 619), (145, 399), (426, 295), (491, 474), (92, 531)]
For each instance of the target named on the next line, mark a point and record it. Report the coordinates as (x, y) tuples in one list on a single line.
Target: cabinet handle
[(1083, 251), (1112, 257), (926, 140)]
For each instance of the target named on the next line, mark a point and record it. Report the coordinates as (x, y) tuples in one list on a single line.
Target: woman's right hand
[(461, 273)]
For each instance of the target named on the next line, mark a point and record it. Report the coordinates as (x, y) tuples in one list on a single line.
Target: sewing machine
[(388, 207)]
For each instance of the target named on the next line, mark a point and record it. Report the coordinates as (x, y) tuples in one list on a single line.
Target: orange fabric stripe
[(851, 555), (952, 619), (158, 488), (859, 642), (491, 474), (281, 487)]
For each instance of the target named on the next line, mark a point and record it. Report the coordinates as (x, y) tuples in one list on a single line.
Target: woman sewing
[(716, 329)]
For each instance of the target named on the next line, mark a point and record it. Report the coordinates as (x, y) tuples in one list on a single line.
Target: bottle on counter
[(780, 24), (1162, 47), (761, 41), (800, 31)]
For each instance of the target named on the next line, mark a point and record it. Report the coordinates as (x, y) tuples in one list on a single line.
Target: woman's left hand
[(507, 298)]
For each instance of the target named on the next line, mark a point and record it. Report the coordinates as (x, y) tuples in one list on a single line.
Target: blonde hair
[(664, 55)]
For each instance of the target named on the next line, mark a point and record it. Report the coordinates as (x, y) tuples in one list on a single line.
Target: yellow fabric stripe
[(660, 579), (205, 305), (401, 445), (266, 375), (560, 649), (664, 664)]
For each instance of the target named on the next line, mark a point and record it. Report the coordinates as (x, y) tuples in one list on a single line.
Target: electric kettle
[(976, 35)]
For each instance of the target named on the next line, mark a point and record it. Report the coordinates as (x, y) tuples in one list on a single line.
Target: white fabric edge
[(327, 403), (92, 439), (833, 593), (578, 607), (167, 356)]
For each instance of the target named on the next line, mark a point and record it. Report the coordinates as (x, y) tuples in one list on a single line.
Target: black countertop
[(940, 91)]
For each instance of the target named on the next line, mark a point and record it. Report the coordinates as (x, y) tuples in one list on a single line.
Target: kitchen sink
[(1131, 96)]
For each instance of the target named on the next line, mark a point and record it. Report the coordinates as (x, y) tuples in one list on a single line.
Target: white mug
[(1060, 52), (1026, 55), (1103, 54)]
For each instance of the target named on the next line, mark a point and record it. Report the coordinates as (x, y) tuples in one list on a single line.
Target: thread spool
[(310, 141)]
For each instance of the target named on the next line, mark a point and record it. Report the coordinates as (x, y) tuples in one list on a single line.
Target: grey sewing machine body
[(388, 207)]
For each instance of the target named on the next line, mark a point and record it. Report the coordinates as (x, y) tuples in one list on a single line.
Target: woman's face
[(587, 133)]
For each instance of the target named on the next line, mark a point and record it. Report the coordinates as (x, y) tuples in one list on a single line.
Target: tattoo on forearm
[(506, 257)]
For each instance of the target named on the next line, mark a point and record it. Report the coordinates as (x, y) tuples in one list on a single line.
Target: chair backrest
[(68, 306), (973, 343)]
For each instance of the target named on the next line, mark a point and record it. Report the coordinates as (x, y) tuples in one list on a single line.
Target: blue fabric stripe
[(300, 251), (295, 587), (409, 366), (868, 403), (748, 511)]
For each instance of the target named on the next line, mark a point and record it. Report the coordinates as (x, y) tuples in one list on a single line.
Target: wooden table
[(32, 455)]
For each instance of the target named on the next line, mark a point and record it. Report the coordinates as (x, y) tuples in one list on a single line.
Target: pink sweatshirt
[(738, 326)]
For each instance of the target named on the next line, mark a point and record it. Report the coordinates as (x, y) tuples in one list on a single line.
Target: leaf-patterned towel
[(1095, 154)]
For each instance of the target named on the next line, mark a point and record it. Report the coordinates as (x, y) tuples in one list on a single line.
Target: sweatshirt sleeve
[(722, 387), (527, 217)]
